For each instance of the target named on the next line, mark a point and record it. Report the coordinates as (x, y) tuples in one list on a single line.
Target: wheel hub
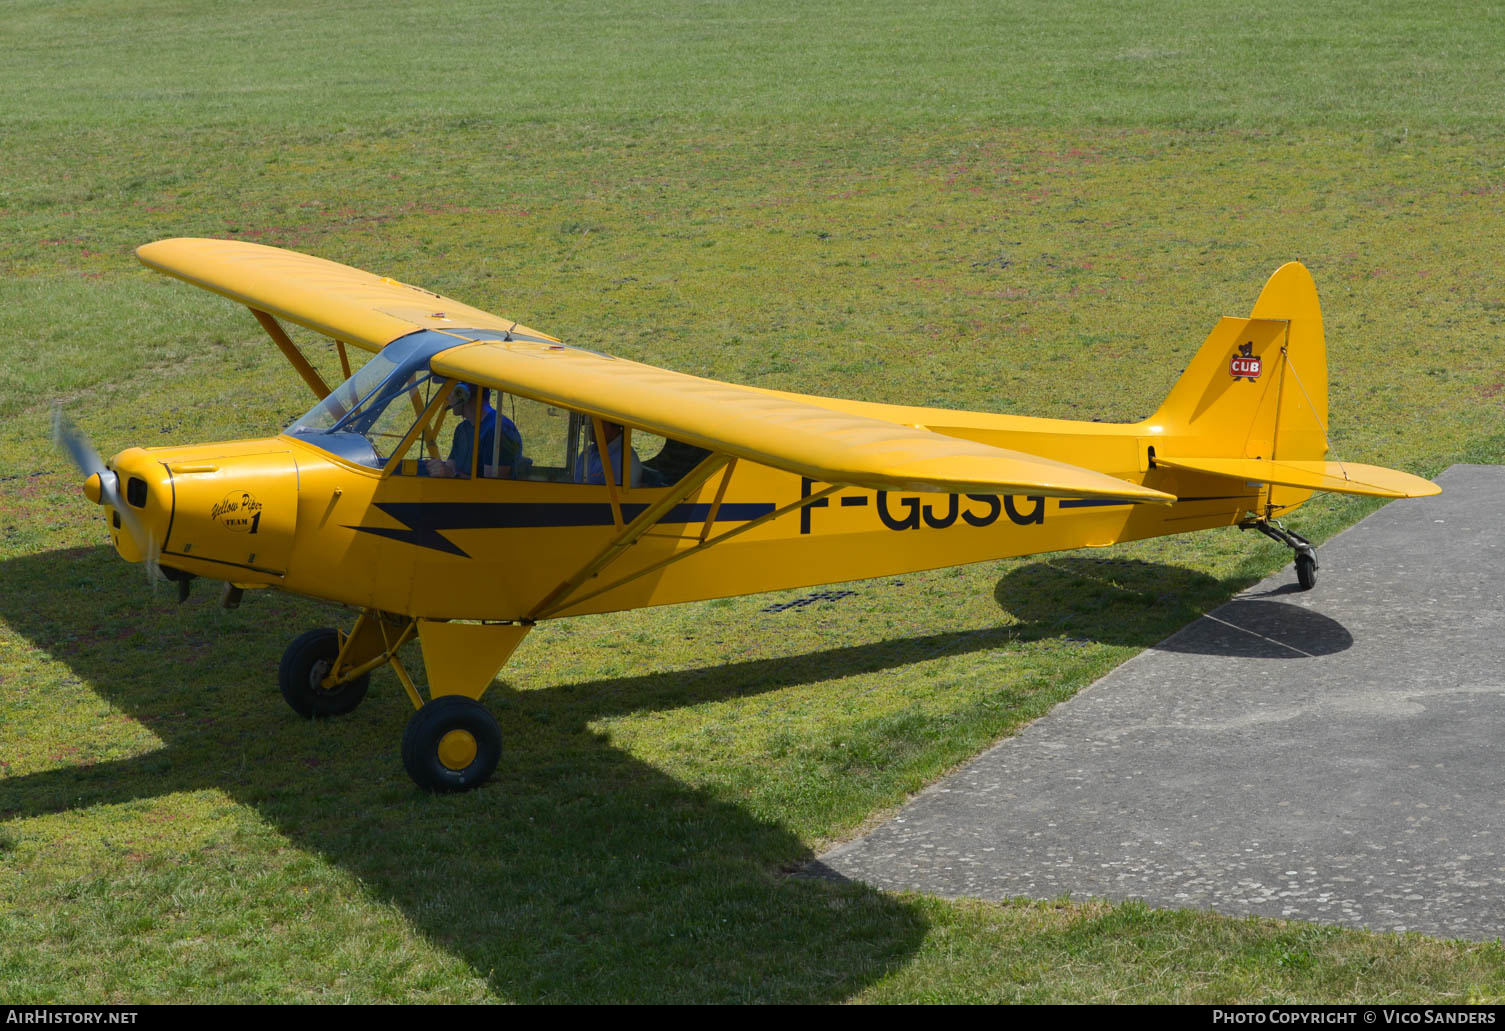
[(317, 672), (457, 749)]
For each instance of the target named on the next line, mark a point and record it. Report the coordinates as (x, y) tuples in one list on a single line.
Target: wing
[(1339, 477), (336, 300), (826, 445)]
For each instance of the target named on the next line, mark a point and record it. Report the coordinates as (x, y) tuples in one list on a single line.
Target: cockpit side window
[(395, 398), (560, 445), (404, 406), (668, 460), (468, 438), (551, 437)]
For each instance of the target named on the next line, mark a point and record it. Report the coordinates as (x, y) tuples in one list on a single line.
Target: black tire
[(1306, 572), (438, 754), (306, 662)]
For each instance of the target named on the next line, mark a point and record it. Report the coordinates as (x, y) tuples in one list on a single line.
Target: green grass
[(1029, 209), (370, 66)]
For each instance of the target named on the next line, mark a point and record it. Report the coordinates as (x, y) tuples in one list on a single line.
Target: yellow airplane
[(475, 476)]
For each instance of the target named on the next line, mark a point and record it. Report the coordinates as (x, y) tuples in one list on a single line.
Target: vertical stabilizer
[(1257, 388)]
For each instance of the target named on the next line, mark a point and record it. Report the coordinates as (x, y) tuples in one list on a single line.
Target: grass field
[(1030, 208)]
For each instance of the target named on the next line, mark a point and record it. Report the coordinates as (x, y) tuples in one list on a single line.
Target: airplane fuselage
[(282, 512)]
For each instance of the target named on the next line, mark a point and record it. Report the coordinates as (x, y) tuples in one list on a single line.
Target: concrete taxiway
[(1333, 755)]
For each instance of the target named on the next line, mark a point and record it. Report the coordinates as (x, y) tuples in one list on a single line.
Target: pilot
[(588, 466), (461, 444)]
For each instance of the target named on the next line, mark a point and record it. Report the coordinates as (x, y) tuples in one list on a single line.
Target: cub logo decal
[(1244, 364)]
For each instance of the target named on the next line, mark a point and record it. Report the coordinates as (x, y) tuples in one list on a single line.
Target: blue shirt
[(464, 440)]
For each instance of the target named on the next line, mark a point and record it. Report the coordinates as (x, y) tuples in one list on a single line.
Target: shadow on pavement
[(1150, 605)]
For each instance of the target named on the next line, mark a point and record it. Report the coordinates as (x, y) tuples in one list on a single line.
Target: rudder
[(1257, 388)]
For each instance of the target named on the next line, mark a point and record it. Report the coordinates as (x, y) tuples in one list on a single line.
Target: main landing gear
[(1306, 552), (306, 664), (452, 742)]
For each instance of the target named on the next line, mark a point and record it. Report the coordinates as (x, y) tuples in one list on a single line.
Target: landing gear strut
[(1306, 553)]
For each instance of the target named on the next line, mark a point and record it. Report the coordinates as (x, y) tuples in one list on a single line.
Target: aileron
[(335, 300)]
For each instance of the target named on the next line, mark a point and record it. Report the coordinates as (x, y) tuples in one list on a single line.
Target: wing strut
[(549, 606), (710, 517), (608, 469), (292, 354), (557, 598)]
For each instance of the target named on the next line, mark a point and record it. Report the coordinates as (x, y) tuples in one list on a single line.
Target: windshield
[(358, 420), (345, 400)]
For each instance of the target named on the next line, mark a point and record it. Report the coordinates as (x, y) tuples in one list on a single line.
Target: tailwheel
[(451, 744), (1306, 553), (1306, 571), (305, 664)]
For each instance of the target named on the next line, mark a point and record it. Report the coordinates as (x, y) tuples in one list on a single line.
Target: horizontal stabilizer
[(336, 300), (826, 445), (1338, 477)]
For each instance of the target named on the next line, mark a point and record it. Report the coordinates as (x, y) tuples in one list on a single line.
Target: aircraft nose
[(134, 491), (234, 512)]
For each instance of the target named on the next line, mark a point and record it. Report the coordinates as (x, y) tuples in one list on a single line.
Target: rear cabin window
[(559, 447)]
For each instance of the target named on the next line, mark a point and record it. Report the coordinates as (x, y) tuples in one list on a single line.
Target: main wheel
[(1306, 572), (451, 744), (306, 662)]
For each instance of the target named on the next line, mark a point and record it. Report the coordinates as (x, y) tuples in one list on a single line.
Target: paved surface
[(1332, 756)]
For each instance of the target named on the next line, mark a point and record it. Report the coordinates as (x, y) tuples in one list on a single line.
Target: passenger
[(588, 467), (462, 444)]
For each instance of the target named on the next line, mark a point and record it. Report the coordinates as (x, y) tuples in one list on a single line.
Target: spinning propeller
[(102, 487)]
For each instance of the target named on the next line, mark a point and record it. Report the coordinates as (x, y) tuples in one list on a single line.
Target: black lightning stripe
[(425, 523)]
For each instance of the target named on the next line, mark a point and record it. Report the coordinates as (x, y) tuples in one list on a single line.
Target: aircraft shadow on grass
[(640, 851), (567, 869), (1149, 605)]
